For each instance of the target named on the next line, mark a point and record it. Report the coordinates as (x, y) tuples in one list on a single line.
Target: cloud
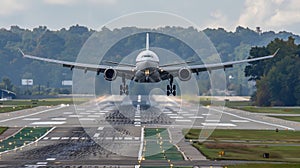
[(219, 19), (8, 7), (270, 13), (77, 2)]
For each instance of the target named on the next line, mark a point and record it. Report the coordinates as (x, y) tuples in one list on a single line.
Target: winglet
[(275, 53), (147, 41), (21, 52)]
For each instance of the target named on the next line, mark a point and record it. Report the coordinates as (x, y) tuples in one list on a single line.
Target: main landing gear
[(124, 87), (171, 89)]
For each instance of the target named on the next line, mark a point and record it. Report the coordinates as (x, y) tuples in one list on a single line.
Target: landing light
[(147, 72)]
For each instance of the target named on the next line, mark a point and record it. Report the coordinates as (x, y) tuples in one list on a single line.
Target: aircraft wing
[(209, 67), (126, 71)]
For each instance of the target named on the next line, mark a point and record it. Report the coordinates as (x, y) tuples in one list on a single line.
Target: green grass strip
[(24, 137)]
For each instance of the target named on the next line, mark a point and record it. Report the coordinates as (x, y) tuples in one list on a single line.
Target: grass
[(290, 118), (248, 106), (17, 104), (14, 108), (265, 165), (38, 102), (269, 110), (234, 151), (249, 144), (24, 137), (3, 129), (247, 135), (158, 145)]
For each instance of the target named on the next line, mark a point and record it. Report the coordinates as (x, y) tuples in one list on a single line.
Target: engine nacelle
[(110, 74), (184, 74)]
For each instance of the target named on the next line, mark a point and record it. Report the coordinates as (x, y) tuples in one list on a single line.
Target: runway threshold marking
[(28, 115)]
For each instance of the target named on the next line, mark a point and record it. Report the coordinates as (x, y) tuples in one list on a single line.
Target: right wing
[(127, 71), (209, 67)]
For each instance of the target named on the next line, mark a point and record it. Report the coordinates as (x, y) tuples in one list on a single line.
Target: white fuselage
[(147, 67)]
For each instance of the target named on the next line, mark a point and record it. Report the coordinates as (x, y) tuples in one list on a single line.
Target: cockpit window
[(148, 56)]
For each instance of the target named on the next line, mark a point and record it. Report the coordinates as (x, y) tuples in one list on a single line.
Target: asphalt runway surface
[(109, 132)]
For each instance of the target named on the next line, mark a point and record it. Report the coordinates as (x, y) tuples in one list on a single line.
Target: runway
[(110, 131)]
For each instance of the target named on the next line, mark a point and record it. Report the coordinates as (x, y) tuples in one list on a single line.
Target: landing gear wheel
[(171, 89), (121, 89), (168, 87), (174, 87), (168, 93), (124, 87)]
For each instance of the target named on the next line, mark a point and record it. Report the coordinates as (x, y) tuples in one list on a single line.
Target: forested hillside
[(65, 44)]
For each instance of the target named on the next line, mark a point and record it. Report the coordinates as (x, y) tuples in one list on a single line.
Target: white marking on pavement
[(83, 113), (100, 128), (75, 116), (48, 123), (94, 116), (55, 138), (59, 119), (67, 113), (127, 138), (42, 163), (219, 124), (96, 135), (51, 159), (183, 120), (240, 121), (253, 120), (212, 120), (195, 117), (86, 119), (31, 119), (141, 145), (24, 116), (177, 117)]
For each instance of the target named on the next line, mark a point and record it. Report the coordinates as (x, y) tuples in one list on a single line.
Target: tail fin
[(147, 41)]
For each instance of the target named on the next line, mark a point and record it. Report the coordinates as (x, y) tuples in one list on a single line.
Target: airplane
[(147, 69)]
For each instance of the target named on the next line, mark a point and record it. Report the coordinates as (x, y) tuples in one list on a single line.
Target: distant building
[(6, 94), (258, 30)]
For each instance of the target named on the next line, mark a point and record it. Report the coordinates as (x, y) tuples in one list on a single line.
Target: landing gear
[(171, 89), (124, 87)]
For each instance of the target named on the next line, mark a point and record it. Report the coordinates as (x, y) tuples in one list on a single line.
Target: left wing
[(122, 71), (209, 67)]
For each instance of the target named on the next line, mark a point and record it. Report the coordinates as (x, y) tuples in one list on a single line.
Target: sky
[(275, 15)]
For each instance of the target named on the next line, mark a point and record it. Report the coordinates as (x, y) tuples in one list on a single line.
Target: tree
[(6, 84), (278, 80)]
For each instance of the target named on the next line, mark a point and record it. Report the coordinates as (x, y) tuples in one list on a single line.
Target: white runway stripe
[(86, 119), (240, 121), (195, 117), (31, 119), (48, 123), (59, 119), (219, 124)]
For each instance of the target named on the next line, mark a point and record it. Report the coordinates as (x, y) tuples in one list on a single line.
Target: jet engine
[(184, 74), (110, 74)]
